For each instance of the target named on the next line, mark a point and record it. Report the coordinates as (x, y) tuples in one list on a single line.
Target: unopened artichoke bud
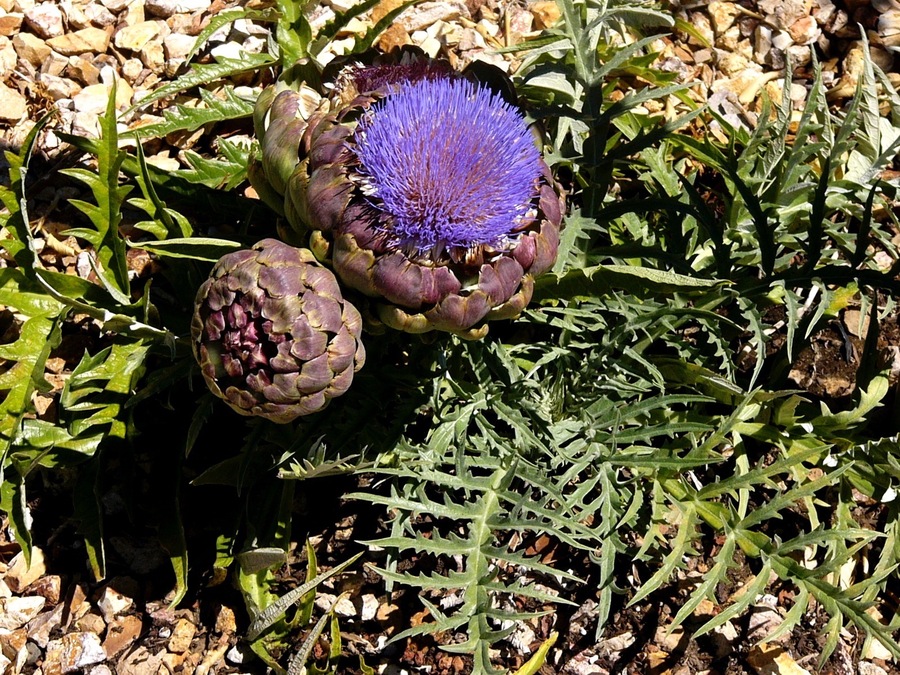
[(272, 333), (426, 192)]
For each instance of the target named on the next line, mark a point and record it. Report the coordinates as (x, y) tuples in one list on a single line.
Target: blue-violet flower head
[(449, 164)]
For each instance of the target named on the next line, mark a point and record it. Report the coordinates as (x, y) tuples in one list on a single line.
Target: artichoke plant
[(422, 187), (272, 333)]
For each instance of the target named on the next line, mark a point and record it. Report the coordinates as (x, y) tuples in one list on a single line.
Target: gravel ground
[(65, 55)]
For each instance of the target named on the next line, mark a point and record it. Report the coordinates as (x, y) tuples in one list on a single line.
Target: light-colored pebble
[(59, 87), (45, 19), (182, 636), (91, 39), (177, 45), (31, 48), (15, 612), (8, 56), (99, 15), (166, 8), (134, 38), (154, 57), (111, 602), (425, 14), (73, 652)]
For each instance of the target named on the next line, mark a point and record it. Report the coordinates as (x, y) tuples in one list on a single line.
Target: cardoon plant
[(422, 187)]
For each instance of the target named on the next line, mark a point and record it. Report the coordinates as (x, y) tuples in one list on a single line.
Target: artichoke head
[(421, 187), (272, 333)]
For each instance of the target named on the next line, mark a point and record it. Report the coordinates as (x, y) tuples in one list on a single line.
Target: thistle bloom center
[(450, 165)]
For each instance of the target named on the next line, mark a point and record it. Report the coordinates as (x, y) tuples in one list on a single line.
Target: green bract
[(419, 185), (272, 333)]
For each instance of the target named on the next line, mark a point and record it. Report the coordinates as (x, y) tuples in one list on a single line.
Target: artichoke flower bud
[(272, 333), (424, 190)]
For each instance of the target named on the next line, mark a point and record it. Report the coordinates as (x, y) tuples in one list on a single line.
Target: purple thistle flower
[(449, 165)]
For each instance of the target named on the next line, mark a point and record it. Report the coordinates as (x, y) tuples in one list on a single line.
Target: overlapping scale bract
[(272, 333)]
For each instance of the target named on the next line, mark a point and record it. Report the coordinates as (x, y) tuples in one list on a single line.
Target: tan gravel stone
[(91, 39), (92, 100), (58, 88), (166, 8), (82, 70), (10, 24), (174, 662), (134, 13), (131, 69), (91, 623), (20, 574), (703, 26), (54, 64), (546, 13), (154, 57), (785, 12), (8, 56), (75, 16), (722, 15), (520, 22), (115, 6), (31, 48), (182, 635), (85, 124), (12, 646), (121, 634), (13, 108), (42, 625), (177, 45), (889, 28), (134, 38), (804, 31), (49, 587), (225, 620)]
